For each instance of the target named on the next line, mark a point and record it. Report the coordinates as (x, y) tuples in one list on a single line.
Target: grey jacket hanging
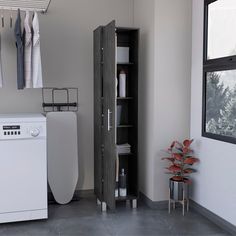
[(20, 53)]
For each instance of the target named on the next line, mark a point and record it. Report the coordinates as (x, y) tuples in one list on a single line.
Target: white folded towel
[(124, 148)]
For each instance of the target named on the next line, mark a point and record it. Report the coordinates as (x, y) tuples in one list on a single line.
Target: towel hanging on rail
[(36, 58), (20, 53), (28, 50)]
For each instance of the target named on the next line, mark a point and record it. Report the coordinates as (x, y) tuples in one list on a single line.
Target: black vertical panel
[(109, 86), (134, 44), (98, 158)]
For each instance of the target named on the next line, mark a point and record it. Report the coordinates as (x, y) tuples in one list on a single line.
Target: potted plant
[(181, 160)]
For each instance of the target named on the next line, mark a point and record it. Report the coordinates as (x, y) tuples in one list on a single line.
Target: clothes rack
[(25, 5)]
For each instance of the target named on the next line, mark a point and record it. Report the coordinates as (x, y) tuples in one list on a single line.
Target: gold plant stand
[(184, 202)]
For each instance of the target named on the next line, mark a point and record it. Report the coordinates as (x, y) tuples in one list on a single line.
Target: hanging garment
[(28, 51), (1, 75), (36, 58), (20, 53)]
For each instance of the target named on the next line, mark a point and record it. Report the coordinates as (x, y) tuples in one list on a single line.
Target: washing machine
[(23, 167)]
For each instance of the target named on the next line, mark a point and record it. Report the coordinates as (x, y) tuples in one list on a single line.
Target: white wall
[(67, 55), (165, 71), (214, 185), (173, 83), (144, 15)]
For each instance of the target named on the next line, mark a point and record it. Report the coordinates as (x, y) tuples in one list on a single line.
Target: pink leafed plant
[(181, 158)]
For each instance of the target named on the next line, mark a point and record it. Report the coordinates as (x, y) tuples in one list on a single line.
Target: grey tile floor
[(84, 218)]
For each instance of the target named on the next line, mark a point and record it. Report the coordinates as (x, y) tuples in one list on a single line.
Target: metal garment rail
[(25, 5)]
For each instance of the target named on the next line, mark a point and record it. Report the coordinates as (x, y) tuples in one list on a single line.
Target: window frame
[(213, 65)]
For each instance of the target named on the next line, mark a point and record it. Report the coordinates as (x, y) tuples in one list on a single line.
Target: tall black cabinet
[(108, 133)]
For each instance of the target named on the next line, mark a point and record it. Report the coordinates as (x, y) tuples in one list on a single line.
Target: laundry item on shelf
[(124, 148)]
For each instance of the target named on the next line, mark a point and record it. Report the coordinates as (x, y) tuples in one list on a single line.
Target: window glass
[(221, 103), (221, 29)]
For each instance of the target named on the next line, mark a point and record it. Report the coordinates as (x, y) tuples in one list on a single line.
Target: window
[(219, 71)]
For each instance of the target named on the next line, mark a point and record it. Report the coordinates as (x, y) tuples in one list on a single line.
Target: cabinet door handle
[(109, 126)]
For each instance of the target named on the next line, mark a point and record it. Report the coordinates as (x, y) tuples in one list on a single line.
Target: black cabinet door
[(98, 153), (109, 88)]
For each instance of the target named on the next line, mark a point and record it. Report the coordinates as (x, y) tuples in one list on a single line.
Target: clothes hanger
[(2, 18), (11, 20)]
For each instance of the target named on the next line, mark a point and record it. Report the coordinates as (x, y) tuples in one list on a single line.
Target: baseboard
[(77, 195), (225, 225), (230, 228), (161, 205), (84, 193)]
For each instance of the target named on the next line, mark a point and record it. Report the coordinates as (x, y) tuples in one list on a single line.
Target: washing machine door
[(23, 174)]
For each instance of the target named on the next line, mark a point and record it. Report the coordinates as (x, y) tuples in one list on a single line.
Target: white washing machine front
[(23, 167)]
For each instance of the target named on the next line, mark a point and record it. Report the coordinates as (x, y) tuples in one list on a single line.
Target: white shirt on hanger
[(36, 58), (28, 51), (1, 76)]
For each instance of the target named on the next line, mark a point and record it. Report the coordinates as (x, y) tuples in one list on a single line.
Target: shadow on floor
[(84, 218)]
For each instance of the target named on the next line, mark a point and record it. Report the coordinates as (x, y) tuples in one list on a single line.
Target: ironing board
[(63, 167)]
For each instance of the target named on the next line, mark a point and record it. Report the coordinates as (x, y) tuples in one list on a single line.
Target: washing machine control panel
[(22, 131), (11, 130)]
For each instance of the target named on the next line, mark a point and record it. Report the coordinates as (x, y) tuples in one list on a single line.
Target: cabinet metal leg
[(183, 203), (187, 205), (104, 207), (98, 202), (134, 203), (169, 203)]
